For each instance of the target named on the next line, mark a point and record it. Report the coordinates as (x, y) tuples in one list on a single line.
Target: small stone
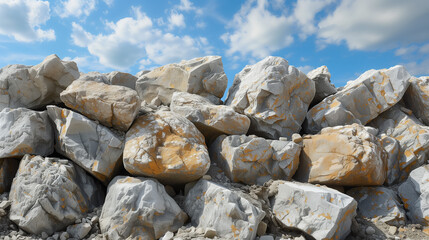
[(210, 233), (13, 233), (5, 204), (64, 236), (44, 235), (168, 236), (392, 230), (2, 212), (79, 231), (94, 219), (78, 221), (56, 236), (262, 228), (266, 237), (296, 138), (370, 230), (207, 177)]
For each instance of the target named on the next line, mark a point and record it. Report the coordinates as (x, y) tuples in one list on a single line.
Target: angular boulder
[(25, 131), (322, 80), (255, 160), (113, 106), (212, 120), (202, 76), (165, 146), (149, 214), (392, 148), (48, 194), (122, 79), (343, 155), (322, 212), (274, 95), (8, 168), (360, 100), (92, 146), (210, 205), (379, 202), (416, 98)]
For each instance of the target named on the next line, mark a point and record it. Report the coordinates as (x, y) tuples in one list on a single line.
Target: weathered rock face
[(322, 212), (274, 95), (361, 100), (414, 193), (8, 168), (166, 146), (113, 106), (210, 205), (48, 194), (212, 120), (37, 86), (343, 155), (92, 146), (25, 131), (412, 135), (379, 202), (112, 78), (393, 149), (146, 215), (417, 98), (322, 80), (254, 160), (202, 76)]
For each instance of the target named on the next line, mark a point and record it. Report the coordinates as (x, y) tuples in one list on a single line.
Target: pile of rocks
[(160, 156)]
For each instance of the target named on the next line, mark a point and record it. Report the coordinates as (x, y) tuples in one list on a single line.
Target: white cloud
[(79, 36), (21, 19), (176, 20), (187, 5), (76, 8), (304, 14), (405, 50), (109, 2), (424, 48), (305, 69), (420, 68)]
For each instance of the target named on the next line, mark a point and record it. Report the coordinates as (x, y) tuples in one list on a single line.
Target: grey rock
[(64, 236), (122, 79), (44, 235), (370, 230), (95, 77), (141, 73), (416, 98), (5, 204), (266, 237), (322, 80), (8, 168), (79, 231), (393, 148)]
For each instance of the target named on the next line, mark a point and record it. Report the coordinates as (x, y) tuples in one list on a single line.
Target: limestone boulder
[(8, 168), (274, 95), (210, 205), (393, 149), (122, 79), (113, 106), (322, 212), (165, 146), (322, 81), (48, 194), (92, 146), (212, 120), (146, 215), (344, 155), (414, 193), (255, 160), (360, 100), (416, 98), (25, 131), (37, 86), (202, 76), (379, 202)]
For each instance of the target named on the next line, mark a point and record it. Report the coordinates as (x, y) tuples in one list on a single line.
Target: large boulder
[(203, 76), (165, 146), (255, 160), (322, 212), (380, 203), (274, 95), (393, 150), (414, 193), (92, 146), (212, 120), (322, 80), (37, 86), (139, 208), (25, 131), (360, 100), (210, 205), (48, 194), (417, 98), (344, 155), (8, 168), (113, 106)]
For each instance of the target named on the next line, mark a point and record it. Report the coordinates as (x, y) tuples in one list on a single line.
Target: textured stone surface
[(122, 79), (48, 194), (322, 80), (343, 155), (36, 86), (255, 160), (212, 120), (113, 106), (92, 146), (25, 131), (412, 135), (379, 202), (203, 76), (146, 215), (210, 205), (393, 149), (416, 98), (414, 193), (8, 168), (166, 146), (274, 95), (322, 212), (360, 100)]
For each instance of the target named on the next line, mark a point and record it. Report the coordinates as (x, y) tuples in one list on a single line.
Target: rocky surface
[(112, 78), (322, 81), (416, 98)]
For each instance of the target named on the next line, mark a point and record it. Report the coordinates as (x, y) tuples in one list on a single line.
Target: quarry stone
[(322, 80)]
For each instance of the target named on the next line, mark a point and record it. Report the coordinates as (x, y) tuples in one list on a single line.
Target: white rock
[(274, 95), (149, 214), (212, 206), (416, 98), (25, 131), (393, 148), (322, 80), (122, 79), (370, 230), (79, 231), (322, 212)]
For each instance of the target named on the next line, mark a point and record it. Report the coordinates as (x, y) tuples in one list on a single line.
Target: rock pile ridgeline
[(158, 155)]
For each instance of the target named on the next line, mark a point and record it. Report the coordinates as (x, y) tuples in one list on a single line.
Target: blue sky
[(349, 37)]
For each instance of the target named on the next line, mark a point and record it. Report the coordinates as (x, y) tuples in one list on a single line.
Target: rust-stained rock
[(113, 106), (166, 146), (416, 98), (8, 168), (343, 155)]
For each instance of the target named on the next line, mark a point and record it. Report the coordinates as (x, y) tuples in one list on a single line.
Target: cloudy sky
[(348, 36)]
